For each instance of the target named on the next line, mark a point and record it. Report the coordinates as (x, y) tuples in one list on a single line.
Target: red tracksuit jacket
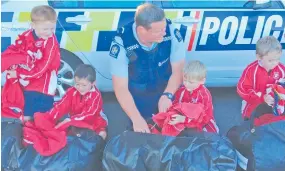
[(12, 98), (39, 73), (203, 96), (254, 80), (87, 109), (12, 94)]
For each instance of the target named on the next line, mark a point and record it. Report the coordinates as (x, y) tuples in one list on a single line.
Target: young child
[(193, 91), (83, 106), (33, 61), (83, 103), (260, 74)]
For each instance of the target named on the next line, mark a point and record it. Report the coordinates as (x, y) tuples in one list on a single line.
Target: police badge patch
[(39, 44), (178, 35), (114, 51)]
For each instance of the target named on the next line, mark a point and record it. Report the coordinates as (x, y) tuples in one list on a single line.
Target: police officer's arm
[(124, 97), (177, 60), (119, 71)]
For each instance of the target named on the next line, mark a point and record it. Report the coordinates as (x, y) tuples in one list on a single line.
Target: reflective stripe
[(243, 105), (212, 125), (215, 125), (242, 161), (27, 141), (181, 96), (104, 116)]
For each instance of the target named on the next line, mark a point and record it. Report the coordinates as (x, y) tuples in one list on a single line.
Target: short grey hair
[(194, 70), (266, 45), (147, 13)]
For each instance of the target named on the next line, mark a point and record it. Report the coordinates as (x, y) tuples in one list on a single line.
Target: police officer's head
[(151, 23)]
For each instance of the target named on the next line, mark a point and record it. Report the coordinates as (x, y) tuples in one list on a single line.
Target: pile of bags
[(83, 151)]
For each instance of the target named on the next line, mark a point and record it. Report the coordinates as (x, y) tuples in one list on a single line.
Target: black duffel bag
[(259, 148), (11, 143), (83, 152), (131, 151)]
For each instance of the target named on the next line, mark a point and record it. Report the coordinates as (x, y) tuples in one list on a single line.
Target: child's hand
[(268, 99), (103, 134), (259, 94), (177, 119), (27, 118), (12, 73), (24, 119), (63, 122)]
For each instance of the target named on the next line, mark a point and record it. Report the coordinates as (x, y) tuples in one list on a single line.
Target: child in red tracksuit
[(259, 75), (34, 61), (194, 91), (83, 103)]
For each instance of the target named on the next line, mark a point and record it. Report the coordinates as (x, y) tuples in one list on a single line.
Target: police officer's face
[(83, 85), (156, 31), (271, 60)]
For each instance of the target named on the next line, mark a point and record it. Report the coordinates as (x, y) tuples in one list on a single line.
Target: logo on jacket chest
[(276, 75), (39, 44), (162, 62), (194, 100)]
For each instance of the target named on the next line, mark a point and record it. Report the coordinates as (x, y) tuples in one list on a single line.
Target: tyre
[(68, 63)]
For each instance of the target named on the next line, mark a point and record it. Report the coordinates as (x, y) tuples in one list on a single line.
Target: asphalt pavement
[(227, 107)]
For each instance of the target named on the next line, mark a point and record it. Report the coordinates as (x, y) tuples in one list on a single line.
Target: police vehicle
[(220, 33)]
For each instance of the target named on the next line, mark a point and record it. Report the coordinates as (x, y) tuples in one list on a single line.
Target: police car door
[(227, 32)]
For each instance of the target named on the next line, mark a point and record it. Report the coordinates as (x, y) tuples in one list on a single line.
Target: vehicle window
[(248, 4), (166, 4), (270, 5), (94, 4), (63, 4), (206, 4), (133, 4), (278, 4), (4, 1)]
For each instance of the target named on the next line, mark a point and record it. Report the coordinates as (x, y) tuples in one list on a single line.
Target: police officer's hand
[(140, 125), (164, 103)]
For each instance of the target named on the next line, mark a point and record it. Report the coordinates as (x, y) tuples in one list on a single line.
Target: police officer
[(147, 57)]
